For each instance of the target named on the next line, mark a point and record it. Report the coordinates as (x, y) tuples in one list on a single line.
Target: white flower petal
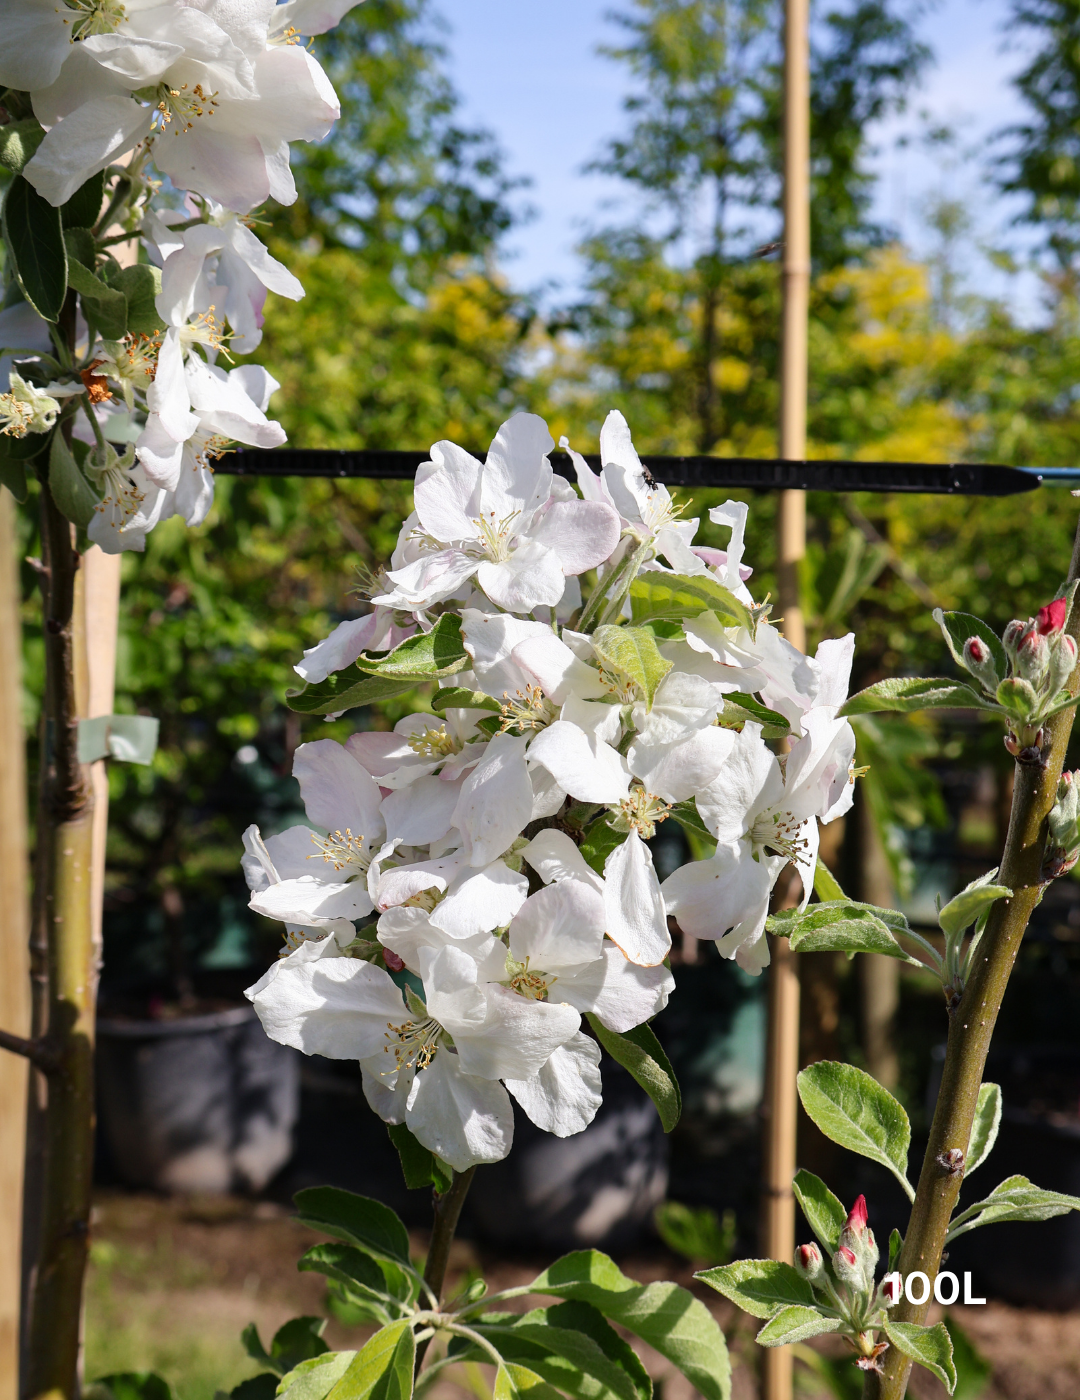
[(421, 812), (553, 666), (312, 902), (481, 900), (337, 792), (636, 917), (77, 147), (750, 782), (448, 498), (490, 638), (560, 926), (582, 533), (677, 772), (463, 1120), (496, 800), (564, 1096), (517, 475), (629, 995), (531, 577), (554, 856), (585, 767), (332, 1006), (548, 796)]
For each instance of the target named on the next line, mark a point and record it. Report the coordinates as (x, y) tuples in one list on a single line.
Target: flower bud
[(890, 1290), (847, 1268), (857, 1216), (1051, 619), (392, 961), (1019, 698), (1032, 657), (979, 660), (1062, 661), (1012, 636), (809, 1263)]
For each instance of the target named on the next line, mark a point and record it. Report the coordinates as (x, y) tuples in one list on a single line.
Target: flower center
[(433, 743), (95, 17), (296, 938), (642, 812), (622, 688), (529, 709), (413, 1042), (183, 106), (342, 850), (203, 329), (780, 833), (526, 982), (18, 415), (495, 535), (120, 496), (208, 447)]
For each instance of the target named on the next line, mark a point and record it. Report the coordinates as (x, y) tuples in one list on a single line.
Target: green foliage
[(761, 1287), (677, 596), (420, 658), (842, 926), (697, 1233), (633, 653), (824, 1212), (35, 243), (852, 1108), (360, 1221), (904, 695), (973, 1371), (419, 1166), (984, 1129), (1015, 1199), (129, 1385), (795, 1325), (372, 1287), (969, 905), (640, 1052), (298, 1340), (929, 1346)]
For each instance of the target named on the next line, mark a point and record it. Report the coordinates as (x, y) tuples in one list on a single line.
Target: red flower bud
[(847, 1256), (979, 651), (857, 1218), (392, 961), (808, 1261), (1052, 617)]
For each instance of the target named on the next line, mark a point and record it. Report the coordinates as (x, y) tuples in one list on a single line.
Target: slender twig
[(39, 1051), (972, 1023)]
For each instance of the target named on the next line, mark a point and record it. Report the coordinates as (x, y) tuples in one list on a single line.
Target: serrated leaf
[(363, 690), (963, 909), (984, 1129), (35, 241), (906, 694), (383, 1368), (314, 1379), (760, 1287), (84, 206), (1015, 1199), (102, 304), (633, 652), (18, 142), (371, 678), (655, 594), (74, 496), (140, 285), (419, 1167), (639, 1052), (696, 1233), (455, 697), (355, 1219), (957, 627), (852, 1108), (667, 1317), (299, 1339), (927, 1346), (795, 1325), (843, 927), (973, 1370), (825, 1213)]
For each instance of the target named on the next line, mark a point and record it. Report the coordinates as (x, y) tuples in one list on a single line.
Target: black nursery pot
[(202, 1104), (596, 1189)]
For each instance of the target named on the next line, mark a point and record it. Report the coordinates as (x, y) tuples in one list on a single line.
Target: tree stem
[(447, 1210), (972, 1025)]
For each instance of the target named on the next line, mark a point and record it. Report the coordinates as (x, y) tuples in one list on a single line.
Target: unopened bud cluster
[(846, 1288), (1041, 657), (1063, 838)]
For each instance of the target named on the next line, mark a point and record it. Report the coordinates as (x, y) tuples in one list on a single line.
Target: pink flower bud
[(979, 660), (978, 651), (1011, 637), (892, 1289), (809, 1263), (1032, 656), (392, 961), (1052, 617), (857, 1217), (848, 1269)]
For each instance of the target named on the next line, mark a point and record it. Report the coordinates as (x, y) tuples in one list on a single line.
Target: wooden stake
[(101, 582), (14, 945), (782, 1058)]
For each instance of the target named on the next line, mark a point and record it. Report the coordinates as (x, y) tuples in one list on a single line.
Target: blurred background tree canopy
[(412, 331)]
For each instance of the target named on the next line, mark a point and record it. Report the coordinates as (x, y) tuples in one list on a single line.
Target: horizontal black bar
[(758, 473)]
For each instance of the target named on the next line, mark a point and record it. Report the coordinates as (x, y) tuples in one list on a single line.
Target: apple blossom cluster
[(494, 853), (156, 124)]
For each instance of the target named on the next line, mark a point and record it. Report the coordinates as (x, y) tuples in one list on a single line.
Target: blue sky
[(531, 74)]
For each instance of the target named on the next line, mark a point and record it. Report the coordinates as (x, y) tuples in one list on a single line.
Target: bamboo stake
[(14, 950), (782, 1058), (101, 575)]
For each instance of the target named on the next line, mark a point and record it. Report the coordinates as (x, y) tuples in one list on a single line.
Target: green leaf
[(640, 1052), (140, 285), (896, 1244), (851, 1108), (839, 1377), (667, 1317), (905, 694), (377, 1282), (689, 818), (419, 1166), (383, 1368), (327, 698), (583, 1317), (984, 1129), (795, 1325), (369, 679), (957, 627), (973, 1371), (261, 1387), (129, 1385), (633, 652), (84, 206), (760, 1287), (102, 304), (826, 885), (300, 1339), (738, 708), (80, 246), (252, 1344), (600, 840), (824, 1212), (963, 909), (356, 1219), (13, 476), (1015, 1199), (676, 596), (315, 1379), (698, 1235), (18, 142), (457, 698), (564, 1356), (74, 496), (927, 1346), (514, 1382), (36, 243), (844, 927)]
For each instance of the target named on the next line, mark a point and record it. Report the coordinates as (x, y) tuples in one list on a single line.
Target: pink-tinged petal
[(636, 917), (422, 812), (555, 669), (337, 792), (377, 751), (582, 533), (564, 1096), (448, 499), (226, 166), (430, 579), (531, 578), (516, 480), (495, 802), (584, 766), (295, 854)]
